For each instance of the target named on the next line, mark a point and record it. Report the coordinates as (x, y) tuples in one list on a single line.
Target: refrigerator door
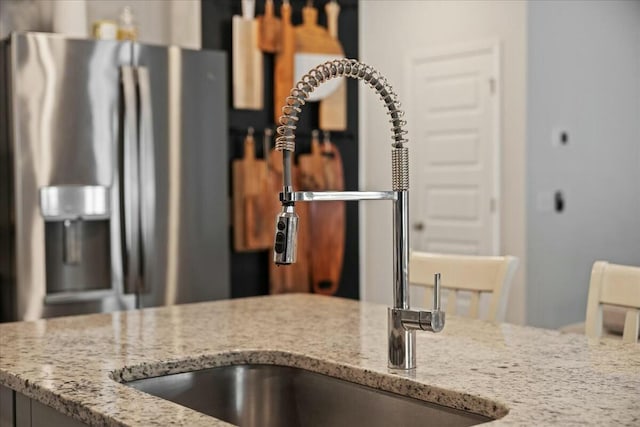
[(63, 114), (183, 175)]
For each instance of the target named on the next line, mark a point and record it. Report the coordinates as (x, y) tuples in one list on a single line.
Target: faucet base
[(402, 342)]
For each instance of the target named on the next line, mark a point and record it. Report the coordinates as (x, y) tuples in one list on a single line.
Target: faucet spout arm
[(323, 196)]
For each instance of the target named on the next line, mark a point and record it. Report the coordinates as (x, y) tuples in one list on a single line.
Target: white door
[(454, 144)]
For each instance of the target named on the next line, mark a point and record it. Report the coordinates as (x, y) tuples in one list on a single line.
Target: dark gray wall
[(583, 76), (249, 271)]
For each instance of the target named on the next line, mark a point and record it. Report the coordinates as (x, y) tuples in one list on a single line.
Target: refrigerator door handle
[(147, 171), (129, 191)]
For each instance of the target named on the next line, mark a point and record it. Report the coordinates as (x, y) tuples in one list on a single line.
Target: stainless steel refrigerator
[(113, 176)]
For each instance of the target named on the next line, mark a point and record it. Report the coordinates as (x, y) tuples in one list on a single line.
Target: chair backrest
[(470, 273), (618, 285)]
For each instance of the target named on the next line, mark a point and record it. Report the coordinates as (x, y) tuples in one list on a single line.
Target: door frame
[(415, 57)]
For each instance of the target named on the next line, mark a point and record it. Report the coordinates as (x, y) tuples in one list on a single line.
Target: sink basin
[(270, 395)]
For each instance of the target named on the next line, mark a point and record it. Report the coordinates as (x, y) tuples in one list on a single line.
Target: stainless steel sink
[(269, 395)]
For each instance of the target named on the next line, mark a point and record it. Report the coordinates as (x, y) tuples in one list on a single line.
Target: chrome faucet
[(402, 321)]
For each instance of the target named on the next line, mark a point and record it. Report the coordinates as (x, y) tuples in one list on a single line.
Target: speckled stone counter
[(534, 376)]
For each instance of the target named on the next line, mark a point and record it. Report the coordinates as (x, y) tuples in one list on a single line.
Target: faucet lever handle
[(436, 292)]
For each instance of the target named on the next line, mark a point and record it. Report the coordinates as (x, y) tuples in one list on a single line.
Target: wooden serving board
[(313, 38), (322, 171), (283, 69), (252, 228), (333, 108), (294, 277), (247, 62), (314, 46), (269, 27)]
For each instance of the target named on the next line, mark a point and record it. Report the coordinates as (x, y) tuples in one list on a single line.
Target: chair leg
[(631, 326), (474, 305)]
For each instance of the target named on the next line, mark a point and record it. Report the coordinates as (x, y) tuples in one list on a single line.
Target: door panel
[(456, 174), (64, 102), (454, 203), (183, 193), (460, 148), (452, 93)]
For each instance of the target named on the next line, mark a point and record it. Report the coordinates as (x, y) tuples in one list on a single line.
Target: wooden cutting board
[(252, 227), (333, 109), (269, 30), (313, 38), (283, 68), (247, 60), (314, 46), (294, 277), (321, 171)]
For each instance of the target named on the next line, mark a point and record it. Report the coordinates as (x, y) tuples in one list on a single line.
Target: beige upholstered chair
[(470, 273), (616, 285)]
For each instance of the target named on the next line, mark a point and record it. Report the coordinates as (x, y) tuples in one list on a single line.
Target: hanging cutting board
[(294, 277), (283, 68), (321, 171), (333, 108), (314, 46), (247, 60), (252, 228), (269, 27)]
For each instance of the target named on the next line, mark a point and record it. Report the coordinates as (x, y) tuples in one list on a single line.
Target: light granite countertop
[(535, 376)]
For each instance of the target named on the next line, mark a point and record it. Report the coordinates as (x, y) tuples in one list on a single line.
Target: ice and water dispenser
[(77, 239)]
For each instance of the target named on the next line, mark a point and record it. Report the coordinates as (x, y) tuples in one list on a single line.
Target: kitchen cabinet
[(18, 410)]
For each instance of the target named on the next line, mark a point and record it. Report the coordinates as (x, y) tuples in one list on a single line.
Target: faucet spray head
[(286, 238)]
